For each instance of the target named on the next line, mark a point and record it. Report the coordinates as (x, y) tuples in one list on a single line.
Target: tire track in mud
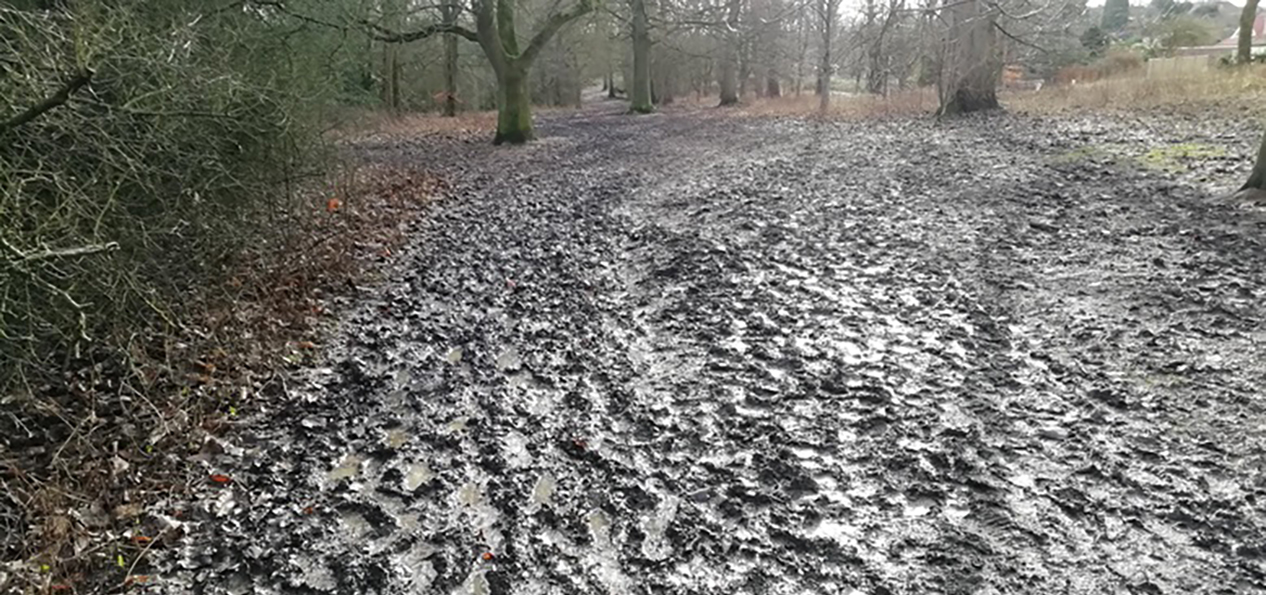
[(693, 355)]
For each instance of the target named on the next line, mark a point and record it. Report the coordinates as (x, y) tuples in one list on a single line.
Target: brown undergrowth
[(90, 462), (1221, 90)]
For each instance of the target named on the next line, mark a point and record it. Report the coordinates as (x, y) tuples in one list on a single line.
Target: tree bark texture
[(971, 64), (640, 94), (1248, 17)]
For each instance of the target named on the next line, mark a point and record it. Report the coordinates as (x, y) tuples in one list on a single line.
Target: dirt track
[(691, 354)]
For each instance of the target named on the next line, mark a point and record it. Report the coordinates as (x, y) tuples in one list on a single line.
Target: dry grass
[(1239, 89), (910, 102), (368, 125), (466, 125), (1219, 88)]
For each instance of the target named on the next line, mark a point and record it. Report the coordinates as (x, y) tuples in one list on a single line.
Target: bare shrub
[(147, 150)]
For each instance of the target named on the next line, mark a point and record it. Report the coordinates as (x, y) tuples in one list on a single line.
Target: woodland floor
[(685, 353)]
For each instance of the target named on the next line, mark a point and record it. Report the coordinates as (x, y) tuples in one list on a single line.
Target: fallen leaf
[(333, 204), (487, 556), (218, 478), (305, 345), (141, 539)]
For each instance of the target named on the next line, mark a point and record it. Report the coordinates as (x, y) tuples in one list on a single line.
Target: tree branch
[(61, 96), (374, 30), (23, 258), (1020, 41), (386, 35), (552, 25)]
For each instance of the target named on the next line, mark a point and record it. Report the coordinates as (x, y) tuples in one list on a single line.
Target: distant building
[(1228, 45)]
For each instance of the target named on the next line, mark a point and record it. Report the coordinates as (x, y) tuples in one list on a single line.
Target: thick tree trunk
[(1257, 180), (1244, 53), (971, 65), (826, 9), (450, 75), (729, 78), (495, 31), (729, 61), (450, 61), (389, 91), (640, 94), (514, 107)]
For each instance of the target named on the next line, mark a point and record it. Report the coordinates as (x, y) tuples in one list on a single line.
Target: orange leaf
[(333, 204), (487, 556), (308, 510), (217, 478), (305, 345), (141, 539)]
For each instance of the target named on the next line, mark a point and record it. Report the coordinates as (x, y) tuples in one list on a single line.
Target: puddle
[(417, 474), (347, 468), (396, 439), (509, 360), (542, 492)]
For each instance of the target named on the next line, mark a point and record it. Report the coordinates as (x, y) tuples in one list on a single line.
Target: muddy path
[(690, 354)]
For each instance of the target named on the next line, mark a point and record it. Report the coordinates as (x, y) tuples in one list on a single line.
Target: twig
[(1020, 41), (132, 568), (66, 253), (52, 101)]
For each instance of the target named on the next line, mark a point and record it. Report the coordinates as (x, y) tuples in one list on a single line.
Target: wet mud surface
[(690, 354)]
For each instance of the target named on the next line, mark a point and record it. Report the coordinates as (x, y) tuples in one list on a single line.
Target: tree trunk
[(826, 9), (729, 78), (969, 79), (387, 92), (640, 94), (514, 107), (1244, 53), (773, 88), (667, 89), (395, 81), (1257, 180), (450, 60), (495, 31), (729, 61)]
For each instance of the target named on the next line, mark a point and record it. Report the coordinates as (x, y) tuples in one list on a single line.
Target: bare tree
[(497, 35), (640, 94), (970, 65), (1248, 17), (879, 55), (449, 11), (827, 10), (730, 54)]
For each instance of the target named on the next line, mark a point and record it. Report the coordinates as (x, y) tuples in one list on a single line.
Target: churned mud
[(684, 353)]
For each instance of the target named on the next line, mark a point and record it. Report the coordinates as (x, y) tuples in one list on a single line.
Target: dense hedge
[(164, 138)]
